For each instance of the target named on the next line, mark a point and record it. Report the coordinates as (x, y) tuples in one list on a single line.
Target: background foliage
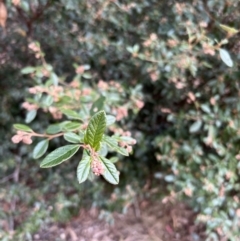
[(165, 53)]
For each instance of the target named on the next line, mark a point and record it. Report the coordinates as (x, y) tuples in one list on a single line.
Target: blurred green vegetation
[(187, 131)]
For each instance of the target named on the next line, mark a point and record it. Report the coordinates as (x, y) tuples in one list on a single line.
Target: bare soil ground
[(150, 222)]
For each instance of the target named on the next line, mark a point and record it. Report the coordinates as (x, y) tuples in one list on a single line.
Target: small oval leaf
[(110, 174), (113, 144), (231, 31), (40, 149), (22, 127), (30, 116), (87, 75), (206, 108), (28, 70), (114, 159), (59, 155), (226, 58), (71, 126), (110, 119), (71, 114), (103, 151), (195, 127), (72, 137), (54, 79), (127, 139), (169, 178), (53, 129), (48, 100)]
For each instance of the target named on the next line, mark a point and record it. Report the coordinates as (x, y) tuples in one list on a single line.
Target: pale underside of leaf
[(83, 168), (59, 155), (40, 149), (110, 174), (110, 120), (196, 126), (113, 144), (30, 116), (72, 137), (226, 58)]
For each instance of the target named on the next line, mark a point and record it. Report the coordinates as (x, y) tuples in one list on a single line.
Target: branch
[(207, 10), (30, 20)]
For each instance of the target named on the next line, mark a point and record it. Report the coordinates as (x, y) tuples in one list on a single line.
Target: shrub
[(181, 60), (78, 102)]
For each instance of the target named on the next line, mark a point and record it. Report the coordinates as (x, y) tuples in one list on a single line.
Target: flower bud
[(21, 133), (32, 90), (97, 167), (27, 140), (133, 142), (129, 149), (16, 139)]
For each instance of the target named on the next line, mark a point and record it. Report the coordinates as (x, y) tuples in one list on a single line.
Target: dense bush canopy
[(170, 72)]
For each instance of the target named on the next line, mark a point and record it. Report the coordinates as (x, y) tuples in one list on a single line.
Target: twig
[(207, 10), (30, 20), (7, 178)]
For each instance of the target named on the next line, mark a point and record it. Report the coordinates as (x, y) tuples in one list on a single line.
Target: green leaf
[(206, 108), (54, 129), (195, 127), (231, 31), (226, 58), (70, 5), (110, 119), (83, 168), (169, 178), (114, 159), (40, 149), (22, 127), (113, 144), (30, 116), (95, 130), (81, 136), (48, 100), (135, 48), (59, 155), (31, 100), (46, 66), (71, 126), (97, 105), (71, 114), (54, 79), (103, 151), (91, 177), (110, 174), (72, 137), (127, 139), (25, 6), (114, 97), (86, 99), (28, 70), (129, 49), (87, 75), (63, 100)]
